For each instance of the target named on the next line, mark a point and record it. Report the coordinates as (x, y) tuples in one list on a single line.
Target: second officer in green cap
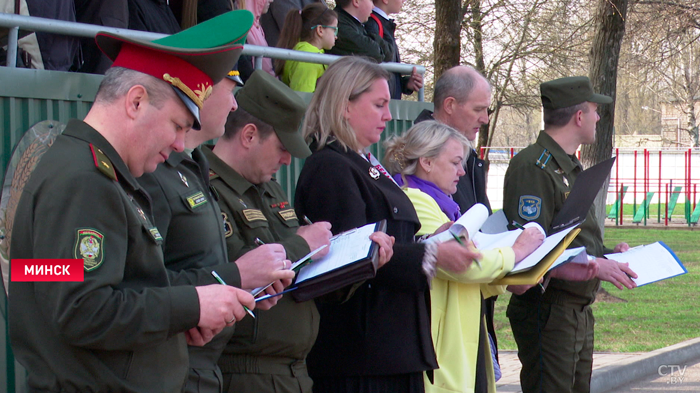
[(554, 329), (267, 354)]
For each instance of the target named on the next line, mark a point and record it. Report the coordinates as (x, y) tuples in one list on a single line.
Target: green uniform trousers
[(255, 374), (555, 345)]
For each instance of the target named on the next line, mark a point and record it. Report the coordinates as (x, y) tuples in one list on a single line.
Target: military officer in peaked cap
[(187, 215), (266, 355), (554, 329), (123, 327)]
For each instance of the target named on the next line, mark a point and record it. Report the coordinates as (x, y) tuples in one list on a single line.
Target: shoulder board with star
[(103, 163)]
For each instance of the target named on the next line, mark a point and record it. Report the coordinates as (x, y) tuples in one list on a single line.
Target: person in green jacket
[(554, 328), (266, 354), (187, 215), (313, 29), (122, 328)]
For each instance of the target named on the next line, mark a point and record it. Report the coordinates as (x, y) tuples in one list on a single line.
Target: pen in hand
[(222, 282), (517, 225), (461, 243)]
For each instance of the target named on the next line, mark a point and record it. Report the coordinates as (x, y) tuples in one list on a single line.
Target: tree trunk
[(476, 26), (604, 56), (448, 26), (692, 121)]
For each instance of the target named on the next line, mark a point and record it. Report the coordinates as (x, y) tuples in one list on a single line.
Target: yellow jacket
[(455, 307)]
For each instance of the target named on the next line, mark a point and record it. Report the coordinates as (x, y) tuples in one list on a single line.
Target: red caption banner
[(47, 270)]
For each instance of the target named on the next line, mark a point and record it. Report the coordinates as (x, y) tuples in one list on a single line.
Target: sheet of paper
[(346, 248), (489, 241), (303, 259), (537, 255), (572, 255), (470, 222), (653, 262)]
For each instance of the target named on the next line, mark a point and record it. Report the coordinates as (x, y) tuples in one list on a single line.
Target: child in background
[(312, 29)]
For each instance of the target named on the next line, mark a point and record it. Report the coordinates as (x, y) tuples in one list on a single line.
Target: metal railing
[(32, 23)]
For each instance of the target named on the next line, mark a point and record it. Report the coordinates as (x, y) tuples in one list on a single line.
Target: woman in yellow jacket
[(427, 163)]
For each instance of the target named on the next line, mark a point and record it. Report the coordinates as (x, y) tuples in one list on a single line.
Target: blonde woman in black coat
[(379, 340)]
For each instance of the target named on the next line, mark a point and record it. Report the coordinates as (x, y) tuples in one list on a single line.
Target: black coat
[(354, 39), (384, 328), (397, 83)]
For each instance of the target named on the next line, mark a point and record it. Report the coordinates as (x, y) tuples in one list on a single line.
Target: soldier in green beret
[(266, 354), (554, 329), (123, 328)]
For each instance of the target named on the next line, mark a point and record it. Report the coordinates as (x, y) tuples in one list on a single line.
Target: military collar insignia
[(559, 171), (183, 178), (374, 173), (242, 203), (566, 181)]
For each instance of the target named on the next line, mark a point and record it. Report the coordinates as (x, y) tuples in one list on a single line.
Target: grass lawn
[(653, 316)]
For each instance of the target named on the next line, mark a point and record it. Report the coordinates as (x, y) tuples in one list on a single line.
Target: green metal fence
[(29, 96)]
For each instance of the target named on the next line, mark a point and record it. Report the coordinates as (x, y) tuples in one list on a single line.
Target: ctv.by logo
[(675, 373)]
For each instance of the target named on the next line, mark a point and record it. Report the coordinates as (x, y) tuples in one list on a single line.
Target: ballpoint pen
[(517, 225), (259, 242), (222, 282), (307, 221), (275, 294), (461, 243)]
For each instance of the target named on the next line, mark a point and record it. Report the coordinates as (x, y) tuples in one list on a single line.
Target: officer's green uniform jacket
[(536, 184), (121, 328), (189, 219), (278, 341)]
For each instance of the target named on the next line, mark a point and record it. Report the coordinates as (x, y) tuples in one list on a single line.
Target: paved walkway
[(672, 369), (510, 367)]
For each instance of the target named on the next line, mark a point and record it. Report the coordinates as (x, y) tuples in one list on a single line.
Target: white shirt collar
[(381, 12)]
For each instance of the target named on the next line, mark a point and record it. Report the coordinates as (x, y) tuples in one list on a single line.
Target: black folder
[(582, 195), (349, 273)]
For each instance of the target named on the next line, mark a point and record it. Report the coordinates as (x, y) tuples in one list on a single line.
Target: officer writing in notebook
[(187, 215), (122, 327), (266, 354), (554, 328)]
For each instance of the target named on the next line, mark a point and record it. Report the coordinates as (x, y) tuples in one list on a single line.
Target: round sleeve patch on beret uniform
[(529, 207)]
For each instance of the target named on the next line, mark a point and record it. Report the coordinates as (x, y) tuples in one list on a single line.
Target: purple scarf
[(446, 203)]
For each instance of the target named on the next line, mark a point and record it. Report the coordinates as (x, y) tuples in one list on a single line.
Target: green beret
[(566, 92), (273, 102)]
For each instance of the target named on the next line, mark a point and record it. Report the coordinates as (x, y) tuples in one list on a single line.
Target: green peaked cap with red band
[(191, 61)]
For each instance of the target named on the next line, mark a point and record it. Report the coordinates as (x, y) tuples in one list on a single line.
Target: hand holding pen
[(222, 282), (455, 257)]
